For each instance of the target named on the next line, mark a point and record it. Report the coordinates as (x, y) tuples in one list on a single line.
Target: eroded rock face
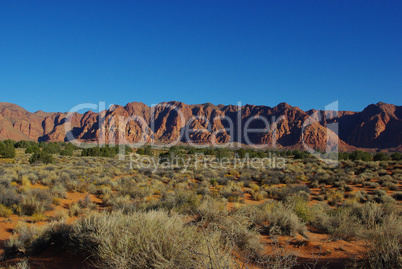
[(377, 126)]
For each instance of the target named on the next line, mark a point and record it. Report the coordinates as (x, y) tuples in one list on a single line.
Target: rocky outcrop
[(377, 126)]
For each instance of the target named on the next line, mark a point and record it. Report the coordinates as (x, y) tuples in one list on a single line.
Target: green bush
[(32, 149), (146, 150), (100, 151), (7, 149), (52, 148), (360, 155), (396, 156), (41, 156), (381, 156)]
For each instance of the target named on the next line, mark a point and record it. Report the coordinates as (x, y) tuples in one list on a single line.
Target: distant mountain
[(377, 126)]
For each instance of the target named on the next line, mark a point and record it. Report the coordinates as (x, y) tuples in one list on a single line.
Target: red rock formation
[(377, 126)]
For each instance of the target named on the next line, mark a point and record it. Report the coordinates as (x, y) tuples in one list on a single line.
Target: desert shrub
[(340, 184), (314, 184), (275, 218), (320, 198), (361, 196), (391, 186), (284, 192), (259, 196), (385, 244), (383, 171), (284, 220), (298, 204), (74, 209), (319, 216), (23, 237), (36, 201), (212, 210), (254, 187), (9, 197), (118, 202), (37, 217), (60, 215), (5, 212), (59, 191), (397, 196), (380, 196), (237, 230), (348, 188), (86, 203), (342, 223), (146, 240), (355, 180), (325, 178), (334, 197), (371, 184), (203, 190), (386, 178), (270, 181), (232, 193), (182, 201), (370, 214)]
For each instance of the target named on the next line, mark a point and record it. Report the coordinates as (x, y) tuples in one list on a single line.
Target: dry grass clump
[(23, 237), (147, 240), (38, 217), (5, 211), (385, 244), (35, 201), (274, 218)]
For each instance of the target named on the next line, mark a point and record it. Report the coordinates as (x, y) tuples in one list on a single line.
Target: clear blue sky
[(57, 54)]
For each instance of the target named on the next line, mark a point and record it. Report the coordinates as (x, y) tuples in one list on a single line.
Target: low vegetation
[(199, 216)]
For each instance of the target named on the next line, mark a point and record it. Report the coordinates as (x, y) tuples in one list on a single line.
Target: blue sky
[(57, 54)]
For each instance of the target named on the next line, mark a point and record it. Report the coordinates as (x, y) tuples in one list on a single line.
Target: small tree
[(397, 156), (41, 156), (360, 155), (381, 156), (148, 151), (7, 149)]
